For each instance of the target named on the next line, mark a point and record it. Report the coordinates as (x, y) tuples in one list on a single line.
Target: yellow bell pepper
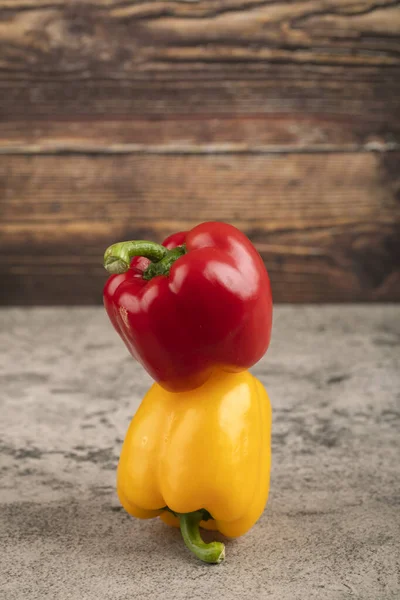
[(200, 458)]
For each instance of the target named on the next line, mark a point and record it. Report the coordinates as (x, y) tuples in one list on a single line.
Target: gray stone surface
[(331, 529)]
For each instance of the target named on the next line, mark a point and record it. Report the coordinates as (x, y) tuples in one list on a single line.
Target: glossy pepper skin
[(207, 449), (209, 308)]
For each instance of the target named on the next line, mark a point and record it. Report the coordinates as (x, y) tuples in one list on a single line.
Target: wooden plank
[(190, 134), (159, 81), (134, 38), (62, 60), (349, 92), (327, 225), (281, 189)]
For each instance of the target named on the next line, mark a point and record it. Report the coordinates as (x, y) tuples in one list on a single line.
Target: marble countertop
[(331, 528)]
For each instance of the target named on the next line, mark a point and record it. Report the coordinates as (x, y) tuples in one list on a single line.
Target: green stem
[(117, 258), (163, 267), (209, 553)]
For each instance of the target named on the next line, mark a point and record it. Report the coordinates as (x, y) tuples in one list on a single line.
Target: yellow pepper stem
[(209, 553)]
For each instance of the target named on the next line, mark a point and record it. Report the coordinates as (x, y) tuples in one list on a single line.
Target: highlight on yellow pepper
[(200, 458)]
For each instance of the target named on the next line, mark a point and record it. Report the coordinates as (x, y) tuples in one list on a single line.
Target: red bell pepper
[(199, 301)]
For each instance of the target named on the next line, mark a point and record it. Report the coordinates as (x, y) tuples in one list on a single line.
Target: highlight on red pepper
[(197, 303)]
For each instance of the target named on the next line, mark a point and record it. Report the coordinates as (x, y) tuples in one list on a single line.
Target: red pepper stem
[(164, 265), (117, 258), (213, 553)]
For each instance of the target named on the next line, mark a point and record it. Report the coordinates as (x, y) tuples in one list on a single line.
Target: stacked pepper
[(196, 312)]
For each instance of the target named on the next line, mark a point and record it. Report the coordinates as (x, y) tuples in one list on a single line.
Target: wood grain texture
[(68, 59), (274, 133), (327, 225), (124, 118)]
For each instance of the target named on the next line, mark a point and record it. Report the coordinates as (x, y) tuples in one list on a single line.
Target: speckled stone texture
[(332, 525)]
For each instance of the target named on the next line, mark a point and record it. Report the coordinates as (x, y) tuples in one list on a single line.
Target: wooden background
[(123, 119)]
